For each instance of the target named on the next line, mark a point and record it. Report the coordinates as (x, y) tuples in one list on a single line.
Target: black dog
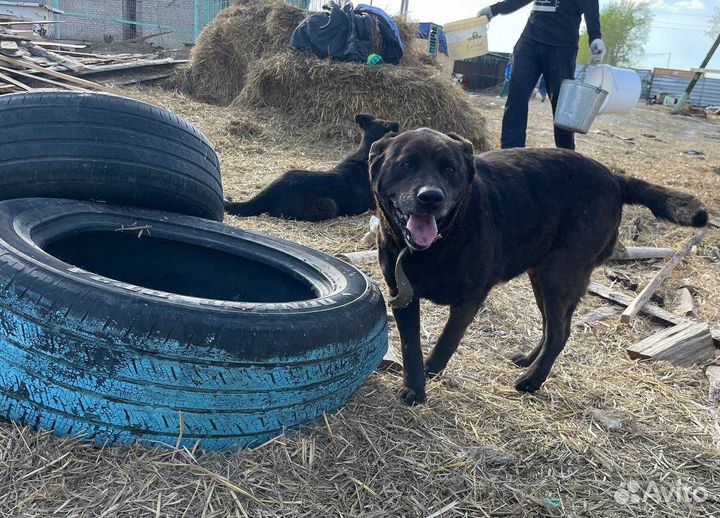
[(315, 196), (470, 222)]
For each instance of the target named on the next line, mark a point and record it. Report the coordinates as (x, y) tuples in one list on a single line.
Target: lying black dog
[(315, 196), (465, 223)]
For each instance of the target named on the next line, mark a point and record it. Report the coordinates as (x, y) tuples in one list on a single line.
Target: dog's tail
[(253, 207), (674, 206)]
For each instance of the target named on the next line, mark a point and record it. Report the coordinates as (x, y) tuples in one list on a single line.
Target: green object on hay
[(374, 60)]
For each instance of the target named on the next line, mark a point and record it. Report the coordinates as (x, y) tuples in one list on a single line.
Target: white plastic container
[(622, 85)]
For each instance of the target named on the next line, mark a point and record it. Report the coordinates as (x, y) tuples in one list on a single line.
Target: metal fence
[(181, 21)]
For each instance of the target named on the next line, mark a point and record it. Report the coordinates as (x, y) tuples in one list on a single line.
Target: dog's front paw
[(521, 360), (528, 383), (412, 397)]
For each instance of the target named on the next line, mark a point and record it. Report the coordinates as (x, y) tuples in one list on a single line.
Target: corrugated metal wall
[(705, 93)]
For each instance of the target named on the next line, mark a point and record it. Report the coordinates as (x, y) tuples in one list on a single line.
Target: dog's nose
[(430, 195)]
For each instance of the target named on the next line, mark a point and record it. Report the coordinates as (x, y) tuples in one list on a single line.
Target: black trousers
[(532, 59)]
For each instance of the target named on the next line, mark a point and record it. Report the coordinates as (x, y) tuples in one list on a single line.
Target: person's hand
[(597, 49), (486, 11)]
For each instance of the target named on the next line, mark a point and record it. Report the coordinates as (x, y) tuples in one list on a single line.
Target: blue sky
[(678, 27)]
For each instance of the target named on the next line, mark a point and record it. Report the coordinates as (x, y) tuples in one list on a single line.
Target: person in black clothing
[(548, 47)]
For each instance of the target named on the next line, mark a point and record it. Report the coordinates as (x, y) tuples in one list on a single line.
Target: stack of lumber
[(28, 63)]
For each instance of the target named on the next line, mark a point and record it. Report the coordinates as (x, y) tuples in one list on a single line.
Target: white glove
[(486, 11), (597, 49)]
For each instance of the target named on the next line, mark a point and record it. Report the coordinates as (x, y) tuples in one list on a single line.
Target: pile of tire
[(130, 314)]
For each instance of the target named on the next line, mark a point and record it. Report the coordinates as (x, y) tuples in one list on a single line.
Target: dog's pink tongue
[(423, 229)]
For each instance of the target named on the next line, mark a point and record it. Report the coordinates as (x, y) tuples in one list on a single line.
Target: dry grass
[(325, 95), (231, 42), (477, 448), (243, 57)]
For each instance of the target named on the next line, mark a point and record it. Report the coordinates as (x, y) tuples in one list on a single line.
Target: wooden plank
[(715, 222), (660, 277), (41, 79), (139, 80), (9, 45), (651, 310), (67, 62), (140, 63), (684, 345), (633, 253), (140, 39), (31, 22), (57, 44), (12, 81), (58, 75)]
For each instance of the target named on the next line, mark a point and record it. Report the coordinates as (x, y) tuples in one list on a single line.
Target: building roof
[(32, 4)]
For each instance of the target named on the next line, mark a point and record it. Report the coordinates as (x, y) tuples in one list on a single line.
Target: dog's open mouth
[(419, 230)]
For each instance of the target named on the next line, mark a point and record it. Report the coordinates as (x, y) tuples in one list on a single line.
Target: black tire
[(94, 146), (117, 362)]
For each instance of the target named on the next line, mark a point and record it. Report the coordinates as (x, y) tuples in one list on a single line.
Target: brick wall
[(94, 20), (176, 14), (99, 19)]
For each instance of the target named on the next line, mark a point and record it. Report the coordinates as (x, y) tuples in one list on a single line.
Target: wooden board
[(31, 22), (14, 82), (632, 253), (140, 63), (684, 345), (41, 79), (644, 296), (59, 75), (9, 45), (56, 44), (651, 310)]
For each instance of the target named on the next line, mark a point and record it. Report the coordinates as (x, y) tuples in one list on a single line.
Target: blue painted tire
[(253, 335)]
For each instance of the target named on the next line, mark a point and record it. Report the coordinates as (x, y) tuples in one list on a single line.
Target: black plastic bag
[(338, 33)]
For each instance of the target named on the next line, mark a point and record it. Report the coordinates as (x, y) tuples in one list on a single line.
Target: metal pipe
[(197, 21)]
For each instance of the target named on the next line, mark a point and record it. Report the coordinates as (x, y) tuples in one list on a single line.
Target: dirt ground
[(605, 436)]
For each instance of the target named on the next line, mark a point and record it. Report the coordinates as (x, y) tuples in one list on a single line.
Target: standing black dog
[(316, 196), (470, 222)]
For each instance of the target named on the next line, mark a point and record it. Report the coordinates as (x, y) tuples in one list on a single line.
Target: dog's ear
[(377, 152), (394, 126), (468, 153), (466, 144), (363, 119)]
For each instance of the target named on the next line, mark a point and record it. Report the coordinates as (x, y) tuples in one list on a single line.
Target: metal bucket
[(578, 104)]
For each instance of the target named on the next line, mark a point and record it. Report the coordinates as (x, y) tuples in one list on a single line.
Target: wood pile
[(28, 62)]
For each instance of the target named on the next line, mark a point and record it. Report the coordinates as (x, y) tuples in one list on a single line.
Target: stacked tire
[(126, 317)]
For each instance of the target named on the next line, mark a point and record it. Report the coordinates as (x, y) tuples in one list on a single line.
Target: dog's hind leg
[(562, 286), (525, 360), (460, 318)]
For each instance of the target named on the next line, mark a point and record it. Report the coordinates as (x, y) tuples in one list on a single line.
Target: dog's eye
[(449, 169)]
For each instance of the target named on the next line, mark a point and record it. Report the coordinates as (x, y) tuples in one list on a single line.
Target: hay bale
[(409, 33), (325, 95), (234, 39)]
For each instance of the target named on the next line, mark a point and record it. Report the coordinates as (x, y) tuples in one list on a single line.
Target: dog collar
[(405, 290)]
